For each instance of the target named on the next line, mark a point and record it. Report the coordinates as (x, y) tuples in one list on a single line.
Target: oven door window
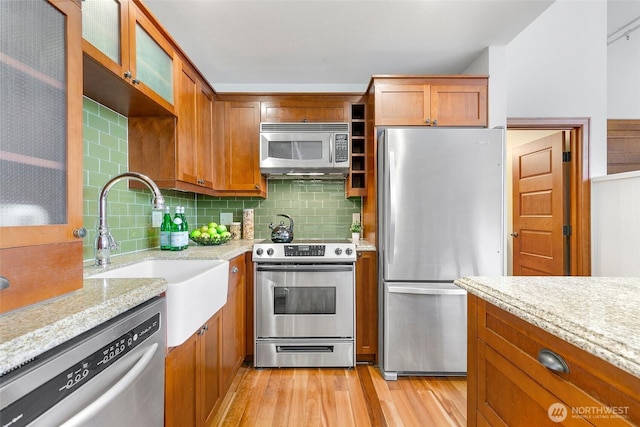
[(304, 300)]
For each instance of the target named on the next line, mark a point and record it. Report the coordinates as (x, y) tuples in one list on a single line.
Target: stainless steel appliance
[(295, 150), (304, 304), (110, 375), (440, 210)]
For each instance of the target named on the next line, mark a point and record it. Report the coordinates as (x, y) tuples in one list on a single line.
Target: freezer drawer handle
[(304, 349), (404, 289), (85, 415)]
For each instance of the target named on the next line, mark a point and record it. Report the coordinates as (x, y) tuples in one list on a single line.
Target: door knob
[(514, 234)]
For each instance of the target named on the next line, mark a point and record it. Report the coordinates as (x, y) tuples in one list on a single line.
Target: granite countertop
[(365, 246), (600, 315), (28, 332)]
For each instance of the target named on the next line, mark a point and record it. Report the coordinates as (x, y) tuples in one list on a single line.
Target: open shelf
[(358, 170)]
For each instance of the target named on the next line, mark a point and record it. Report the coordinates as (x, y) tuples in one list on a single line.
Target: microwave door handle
[(331, 149)]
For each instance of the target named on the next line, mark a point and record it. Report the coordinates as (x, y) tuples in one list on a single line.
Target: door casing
[(579, 184)]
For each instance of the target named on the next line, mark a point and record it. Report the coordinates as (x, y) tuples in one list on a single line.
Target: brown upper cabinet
[(129, 65), (305, 109), (195, 126), (177, 153), (41, 197), (430, 101), (241, 149)]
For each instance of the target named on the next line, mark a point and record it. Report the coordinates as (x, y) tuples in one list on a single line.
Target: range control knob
[(259, 251), (338, 251), (270, 251), (348, 251)]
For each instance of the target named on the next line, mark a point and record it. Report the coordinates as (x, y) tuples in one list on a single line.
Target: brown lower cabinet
[(192, 373), (366, 307), (506, 385), (198, 373)]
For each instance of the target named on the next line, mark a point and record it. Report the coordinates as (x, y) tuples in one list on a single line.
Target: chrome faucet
[(105, 243)]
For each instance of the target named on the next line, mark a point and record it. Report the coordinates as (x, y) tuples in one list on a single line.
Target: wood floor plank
[(364, 403), (324, 397)]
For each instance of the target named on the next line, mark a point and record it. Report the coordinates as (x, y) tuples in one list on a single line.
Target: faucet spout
[(105, 242)]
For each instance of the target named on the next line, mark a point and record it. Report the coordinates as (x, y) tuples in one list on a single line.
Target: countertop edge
[(572, 333)]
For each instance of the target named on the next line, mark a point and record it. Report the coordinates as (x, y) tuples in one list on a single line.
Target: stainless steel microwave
[(304, 149)]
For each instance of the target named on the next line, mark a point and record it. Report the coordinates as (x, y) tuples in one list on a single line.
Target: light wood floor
[(341, 397)]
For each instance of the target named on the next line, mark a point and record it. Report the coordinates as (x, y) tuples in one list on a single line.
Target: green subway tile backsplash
[(319, 208)]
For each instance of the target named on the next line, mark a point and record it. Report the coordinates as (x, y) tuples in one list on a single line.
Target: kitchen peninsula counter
[(30, 331), (600, 315), (561, 347)]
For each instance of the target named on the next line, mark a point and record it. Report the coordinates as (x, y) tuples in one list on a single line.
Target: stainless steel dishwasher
[(111, 375)]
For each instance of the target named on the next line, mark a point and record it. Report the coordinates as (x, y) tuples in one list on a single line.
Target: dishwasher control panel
[(33, 404)]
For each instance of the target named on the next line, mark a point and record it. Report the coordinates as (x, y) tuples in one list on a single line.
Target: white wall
[(557, 67), (492, 61), (623, 77), (615, 225)]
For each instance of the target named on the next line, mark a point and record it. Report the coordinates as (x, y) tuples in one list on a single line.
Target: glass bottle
[(185, 229), (165, 230), (176, 231)]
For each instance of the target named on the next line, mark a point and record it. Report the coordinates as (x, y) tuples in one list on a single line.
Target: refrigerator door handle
[(391, 203), (417, 290)]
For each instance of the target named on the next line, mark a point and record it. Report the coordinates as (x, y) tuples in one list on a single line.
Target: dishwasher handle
[(97, 405), (424, 290)]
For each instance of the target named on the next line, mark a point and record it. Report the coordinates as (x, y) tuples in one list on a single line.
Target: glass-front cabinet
[(121, 38), (40, 151)]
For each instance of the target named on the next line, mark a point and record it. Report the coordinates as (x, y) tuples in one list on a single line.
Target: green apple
[(212, 225), (195, 234), (205, 236), (225, 234), (221, 228), (204, 229)]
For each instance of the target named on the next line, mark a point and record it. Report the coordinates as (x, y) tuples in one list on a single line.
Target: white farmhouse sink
[(197, 290)]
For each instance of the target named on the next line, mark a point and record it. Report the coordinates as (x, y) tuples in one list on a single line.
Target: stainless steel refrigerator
[(440, 217)]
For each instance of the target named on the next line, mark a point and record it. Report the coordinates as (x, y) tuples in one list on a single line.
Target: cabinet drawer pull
[(552, 361)]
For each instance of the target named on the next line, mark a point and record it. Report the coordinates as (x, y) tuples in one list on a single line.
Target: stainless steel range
[(304, 306)]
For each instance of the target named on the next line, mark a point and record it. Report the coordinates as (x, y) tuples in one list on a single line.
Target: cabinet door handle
[(435, 122), (553, 361), (515, 234), (135, 81), (257, 187), (4, 283), (234, 270), (127, 74), (428, 121)]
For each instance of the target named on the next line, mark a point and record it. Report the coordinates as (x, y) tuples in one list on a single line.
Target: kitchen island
[(543, 350)]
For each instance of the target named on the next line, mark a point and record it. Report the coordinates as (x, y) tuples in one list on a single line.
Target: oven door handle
[(305, 268)]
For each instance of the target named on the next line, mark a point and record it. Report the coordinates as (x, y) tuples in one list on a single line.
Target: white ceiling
[(336, 45)]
